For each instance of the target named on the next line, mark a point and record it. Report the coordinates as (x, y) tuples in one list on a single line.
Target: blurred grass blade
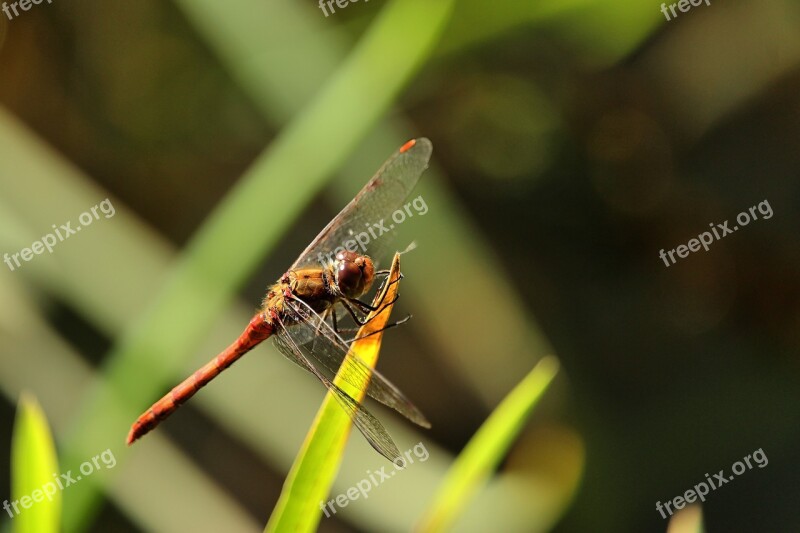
[(310, 479), (33, 463), (487, 448)]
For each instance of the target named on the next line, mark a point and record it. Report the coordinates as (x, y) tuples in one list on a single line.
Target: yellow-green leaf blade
[(487, 447), (313, 472), (33, 464)]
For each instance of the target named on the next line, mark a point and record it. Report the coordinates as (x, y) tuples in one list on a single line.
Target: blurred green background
[(573, 140)]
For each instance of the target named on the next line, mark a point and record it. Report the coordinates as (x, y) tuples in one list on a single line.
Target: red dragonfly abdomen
[(257, 331)]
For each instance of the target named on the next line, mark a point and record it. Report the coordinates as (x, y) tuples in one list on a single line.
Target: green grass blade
[(487, 447), (317, 463), (33, 463)]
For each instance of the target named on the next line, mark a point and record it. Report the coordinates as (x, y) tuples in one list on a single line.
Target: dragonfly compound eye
[(354, 273)]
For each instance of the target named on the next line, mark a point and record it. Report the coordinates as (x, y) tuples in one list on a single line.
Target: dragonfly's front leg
[(365, 307), (384, 328), (347, 305)]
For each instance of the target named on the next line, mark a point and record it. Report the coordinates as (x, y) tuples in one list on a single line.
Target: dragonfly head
[(354, 273)]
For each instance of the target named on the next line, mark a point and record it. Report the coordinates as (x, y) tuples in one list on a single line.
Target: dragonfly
[(299, 312)]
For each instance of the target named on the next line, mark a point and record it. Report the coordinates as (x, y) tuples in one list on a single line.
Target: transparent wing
[(326, 351), (366, 220), (367, 424)]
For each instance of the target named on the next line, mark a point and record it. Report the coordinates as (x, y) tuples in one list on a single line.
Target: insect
[(328, 275)]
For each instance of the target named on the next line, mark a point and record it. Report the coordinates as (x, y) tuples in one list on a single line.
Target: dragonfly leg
[(365, 307), (393, 324), (351, 304), (336, 327), (334, 320), (386, 273), (348, 305), (324, 317)]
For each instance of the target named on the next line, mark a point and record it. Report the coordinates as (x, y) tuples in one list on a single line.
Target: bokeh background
[(573, 140)]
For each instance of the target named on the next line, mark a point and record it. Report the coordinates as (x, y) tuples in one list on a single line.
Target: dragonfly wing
[(368, 214), (367, 424), (324, 348)]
